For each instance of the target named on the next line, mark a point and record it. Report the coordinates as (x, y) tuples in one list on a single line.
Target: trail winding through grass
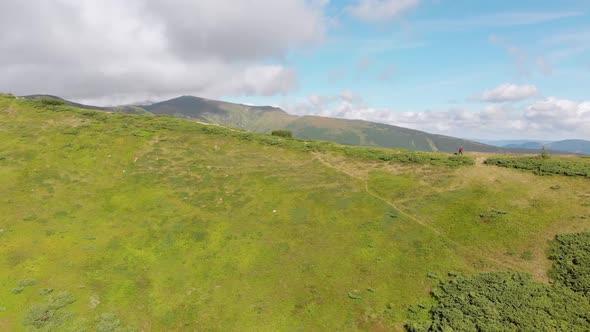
[(411, 216)]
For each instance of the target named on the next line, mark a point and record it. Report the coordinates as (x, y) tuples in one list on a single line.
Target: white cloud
[(555, 114), (380, 10), (509, 92), (111, 50), (498, 20), (551, 119)]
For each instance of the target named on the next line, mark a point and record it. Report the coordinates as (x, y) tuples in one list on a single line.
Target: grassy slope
[(350, 132), (363, 133), (171, 225)]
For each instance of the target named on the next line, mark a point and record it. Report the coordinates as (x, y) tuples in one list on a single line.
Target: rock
[(94, 301)]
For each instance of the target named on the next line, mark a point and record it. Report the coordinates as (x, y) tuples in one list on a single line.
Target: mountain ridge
[(570, 145), (264, 119)]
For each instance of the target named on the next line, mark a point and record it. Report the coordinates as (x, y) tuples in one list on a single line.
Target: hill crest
[(264, 119)]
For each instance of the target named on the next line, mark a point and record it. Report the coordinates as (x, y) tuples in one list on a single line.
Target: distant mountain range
[(264, 119), (570, 145)]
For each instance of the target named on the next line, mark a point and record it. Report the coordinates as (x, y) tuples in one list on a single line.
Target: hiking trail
[(410, 216)]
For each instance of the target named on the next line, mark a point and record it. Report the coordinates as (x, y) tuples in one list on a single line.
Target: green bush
[(512, 301), (571, 253), (52, 102), (507, 301), (282, 133), (544, 166)]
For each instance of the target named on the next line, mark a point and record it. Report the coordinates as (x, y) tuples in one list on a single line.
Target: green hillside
[(363, 133), (349, 132), (264, 119), (115, 222), (253, 118)]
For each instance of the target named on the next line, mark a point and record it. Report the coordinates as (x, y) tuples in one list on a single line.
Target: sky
[(465, 68)]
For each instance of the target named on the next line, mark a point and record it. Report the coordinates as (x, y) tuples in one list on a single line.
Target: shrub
[(571, 253), (504, 302), (50, 316), (544, 166), (282, 133), (512, 301), (27, 282), (61, 300), (109, 322), (52, 102), (43, 316)]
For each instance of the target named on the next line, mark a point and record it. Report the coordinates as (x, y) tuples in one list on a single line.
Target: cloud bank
[(138, 49), (550, 119)]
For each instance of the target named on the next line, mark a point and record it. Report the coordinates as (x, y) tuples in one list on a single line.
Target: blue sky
[(439, 55), (478, 69)]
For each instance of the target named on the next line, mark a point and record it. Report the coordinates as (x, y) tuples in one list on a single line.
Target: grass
[(157, 223)]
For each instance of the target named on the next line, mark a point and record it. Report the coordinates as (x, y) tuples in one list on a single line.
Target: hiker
[(461, 150)]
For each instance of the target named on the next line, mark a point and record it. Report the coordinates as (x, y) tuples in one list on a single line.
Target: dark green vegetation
[(511, 301), (51, 102), (282, 133), (162, 224), (264, 119), (545, 165), (571, 253), (504, 302)]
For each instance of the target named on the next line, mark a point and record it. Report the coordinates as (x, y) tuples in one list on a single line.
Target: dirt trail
[(413, 217)]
